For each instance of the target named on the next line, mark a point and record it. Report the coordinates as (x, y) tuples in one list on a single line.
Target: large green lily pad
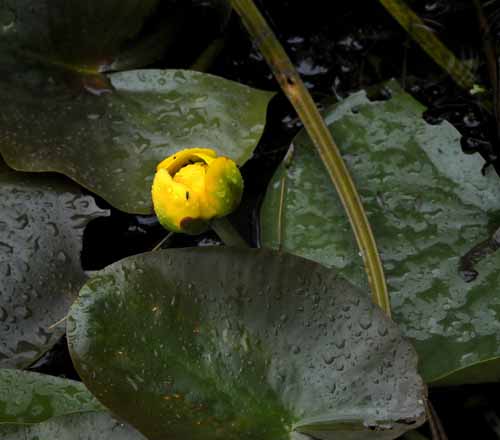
[(27, 398), (87, 426), (108, 132), (227, 343), (112, 143), (428, 205), (42, 219)]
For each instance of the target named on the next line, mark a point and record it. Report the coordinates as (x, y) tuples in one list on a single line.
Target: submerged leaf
[(84, 37)]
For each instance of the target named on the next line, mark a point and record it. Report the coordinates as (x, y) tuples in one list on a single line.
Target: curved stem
[(294, 88)]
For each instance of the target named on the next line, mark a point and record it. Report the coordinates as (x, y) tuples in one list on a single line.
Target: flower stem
[(162, 241), (294, 88), (227, 233)]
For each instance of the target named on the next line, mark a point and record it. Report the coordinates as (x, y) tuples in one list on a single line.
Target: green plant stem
[(227, 233), (208, 56), (415, 27), (294, 88), (437, 430), (162, 241), (287, 161)]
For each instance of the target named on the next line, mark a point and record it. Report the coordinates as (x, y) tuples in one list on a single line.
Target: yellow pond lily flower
[(194, 186)]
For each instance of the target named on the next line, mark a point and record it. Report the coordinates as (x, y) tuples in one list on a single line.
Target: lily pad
[(428, 205), (228, 343), (36, 406), (87, 426), (112, 143), (27, 397), (61, 113), (42, 219)]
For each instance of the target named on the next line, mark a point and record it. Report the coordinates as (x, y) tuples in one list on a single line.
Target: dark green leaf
[(80, 36), (42, 218), (88, 426), (27, 397), (107, 132), (112, 143), (227, 343), (428, 205)]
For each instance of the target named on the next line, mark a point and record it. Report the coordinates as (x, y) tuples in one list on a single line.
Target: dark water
[(338, 47)]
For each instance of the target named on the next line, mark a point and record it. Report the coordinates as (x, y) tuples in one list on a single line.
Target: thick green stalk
[(303, 103), (227, 233), (421, 33)]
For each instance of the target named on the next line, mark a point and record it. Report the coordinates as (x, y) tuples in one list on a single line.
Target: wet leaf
[(27, 397), (88, 426), (227, 343), (36, 406), (61, 113), (42, 218), (112, 143), (428, 205)]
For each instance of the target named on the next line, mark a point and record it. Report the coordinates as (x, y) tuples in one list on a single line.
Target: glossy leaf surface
[(112, 143), (227, 343), (428, 205), (42, 218), (87, 426), (108, 131), (27, 398)]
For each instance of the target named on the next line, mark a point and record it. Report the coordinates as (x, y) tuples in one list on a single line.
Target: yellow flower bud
[(194, 186)]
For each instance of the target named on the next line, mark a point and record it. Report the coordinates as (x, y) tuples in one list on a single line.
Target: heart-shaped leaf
[(428, 205), (88, 426), (27, 397), (42, 218), (227, 343), (112, 143)]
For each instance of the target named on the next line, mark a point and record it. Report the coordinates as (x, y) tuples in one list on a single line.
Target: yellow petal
[(175, 162), (176, 208), (223, 187), (193, 177)]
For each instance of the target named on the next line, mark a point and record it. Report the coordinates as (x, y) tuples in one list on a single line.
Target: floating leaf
[(228, 343), (107, 132), (27, 397), (36, 406), (428, 205), (88, 426), (112, 143), (42, 218)]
